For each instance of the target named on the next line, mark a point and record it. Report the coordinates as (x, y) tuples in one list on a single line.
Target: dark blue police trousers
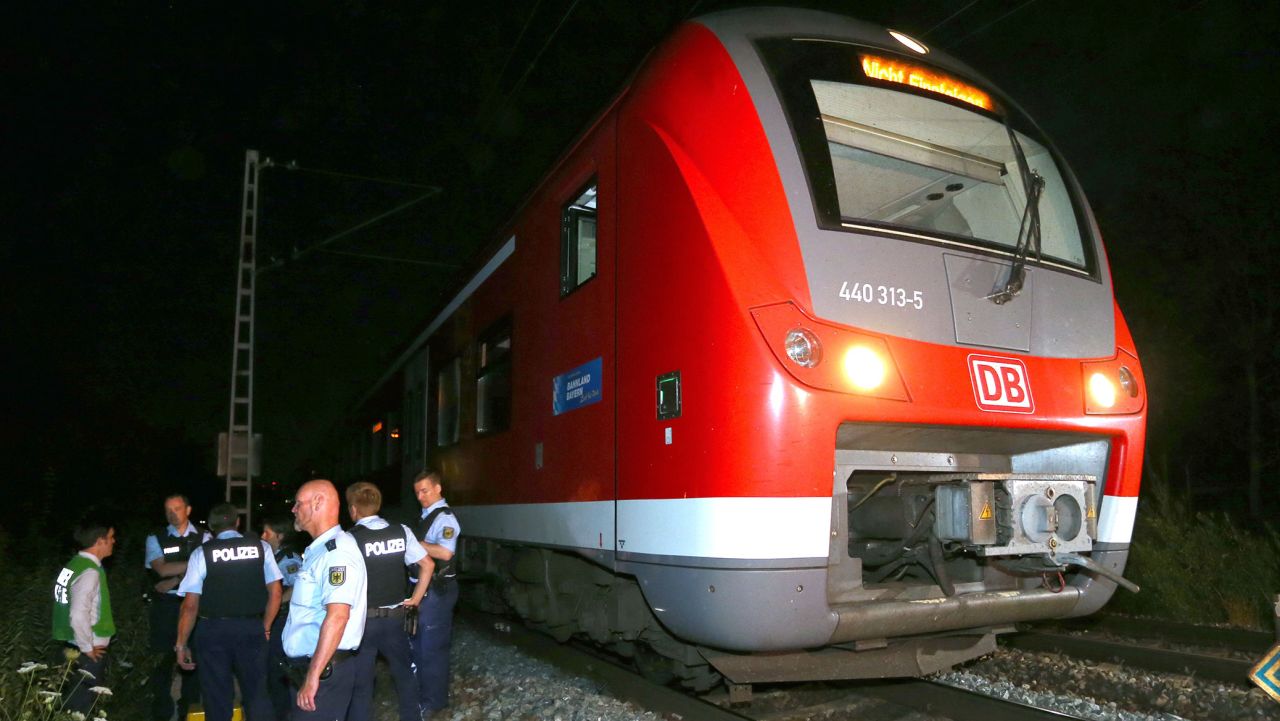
[(228, 644), (277, 680), (431, 646), (163, 618), (333, 698), (384, 635)]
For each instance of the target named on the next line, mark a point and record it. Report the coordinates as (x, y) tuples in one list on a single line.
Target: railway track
[(1218, 654), (918, 700), (1067, 681), (897, 699)]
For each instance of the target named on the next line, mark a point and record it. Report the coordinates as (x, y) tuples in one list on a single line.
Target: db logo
[(1000, 384)]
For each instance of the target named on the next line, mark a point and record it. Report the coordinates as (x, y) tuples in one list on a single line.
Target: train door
[(571, 338)]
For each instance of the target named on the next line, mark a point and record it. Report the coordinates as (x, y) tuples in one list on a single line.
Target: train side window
[(493, 379), (447, 402), (578, 240)]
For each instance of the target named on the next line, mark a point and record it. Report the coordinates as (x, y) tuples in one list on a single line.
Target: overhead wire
[(533, 63), (394, 259), (1147, 32), (516, 45), (299, 254), (293, 166), (984, 28), (949, 18)]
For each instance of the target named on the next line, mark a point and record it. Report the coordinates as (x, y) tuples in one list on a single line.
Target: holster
[(297, 672), (411, 621)]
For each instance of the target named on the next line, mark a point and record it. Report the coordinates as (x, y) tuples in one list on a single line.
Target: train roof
[(737, 29)]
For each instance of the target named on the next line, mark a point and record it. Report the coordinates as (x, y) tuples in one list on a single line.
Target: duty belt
[(295, 667), (397, 612), (341, 654)]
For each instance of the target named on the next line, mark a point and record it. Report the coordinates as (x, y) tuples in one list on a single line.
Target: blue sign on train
[(579, 387)]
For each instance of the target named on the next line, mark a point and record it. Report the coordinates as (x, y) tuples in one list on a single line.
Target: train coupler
[(1009, 514)]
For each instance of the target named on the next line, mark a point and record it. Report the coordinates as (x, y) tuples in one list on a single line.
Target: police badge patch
[(448, 532), (337, 575)]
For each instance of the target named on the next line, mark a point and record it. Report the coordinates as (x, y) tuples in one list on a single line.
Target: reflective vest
[(62, 631)]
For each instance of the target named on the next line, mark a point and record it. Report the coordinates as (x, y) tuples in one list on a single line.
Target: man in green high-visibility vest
[(82, 611)]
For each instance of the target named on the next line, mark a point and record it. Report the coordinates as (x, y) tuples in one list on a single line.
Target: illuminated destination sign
[(918, 76)]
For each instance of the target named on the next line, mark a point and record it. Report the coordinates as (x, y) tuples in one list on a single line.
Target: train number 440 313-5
[(882, 295)]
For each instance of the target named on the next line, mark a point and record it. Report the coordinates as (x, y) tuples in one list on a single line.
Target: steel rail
[(957, 704), (1151, 658), (1257, 642)]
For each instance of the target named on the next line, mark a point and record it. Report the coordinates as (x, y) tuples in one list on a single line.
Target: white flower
[(30, 667), (101, 690), (86, 674), (77, 716)]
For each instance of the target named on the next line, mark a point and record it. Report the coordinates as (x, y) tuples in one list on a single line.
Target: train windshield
[(900, 149)]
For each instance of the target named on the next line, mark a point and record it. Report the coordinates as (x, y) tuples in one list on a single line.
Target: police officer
[(438, 532), (327, 610), (387, 550), (166, 557), (275, 531), (82, 612), (233, 584)]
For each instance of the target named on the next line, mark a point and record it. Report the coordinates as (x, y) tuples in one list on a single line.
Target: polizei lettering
[(236, 554), (382, 548)]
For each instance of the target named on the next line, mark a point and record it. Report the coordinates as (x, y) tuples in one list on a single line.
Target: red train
[(803, 362)]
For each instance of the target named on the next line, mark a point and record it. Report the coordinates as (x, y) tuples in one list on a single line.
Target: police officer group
[(226, 604)]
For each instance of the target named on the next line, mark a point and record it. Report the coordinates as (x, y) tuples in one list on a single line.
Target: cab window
[(578, 240)]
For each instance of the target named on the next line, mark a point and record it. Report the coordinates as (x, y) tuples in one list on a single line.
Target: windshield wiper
[(1028, 228)]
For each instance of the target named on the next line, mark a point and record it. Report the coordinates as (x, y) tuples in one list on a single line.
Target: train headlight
[(829, 356), (803, 348), (1102, 391), (1113, 386), (1128, 382), (864, 367), (909, 42)]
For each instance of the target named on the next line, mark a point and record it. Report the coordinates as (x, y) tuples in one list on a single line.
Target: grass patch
[(29, 692), (1199, 567)]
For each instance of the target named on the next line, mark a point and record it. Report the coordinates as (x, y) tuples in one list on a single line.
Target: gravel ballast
[(497, 681)]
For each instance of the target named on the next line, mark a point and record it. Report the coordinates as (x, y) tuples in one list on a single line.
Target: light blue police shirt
[(289, 566), (336, 576), (193, 582), (154, 551), (444, 530)]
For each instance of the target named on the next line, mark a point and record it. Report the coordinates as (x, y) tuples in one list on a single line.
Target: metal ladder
[(241, 461)]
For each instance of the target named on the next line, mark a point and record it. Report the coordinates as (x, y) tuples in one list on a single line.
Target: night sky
[(125, 137)]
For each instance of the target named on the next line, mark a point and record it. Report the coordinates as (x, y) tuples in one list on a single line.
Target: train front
[(915, 415)]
